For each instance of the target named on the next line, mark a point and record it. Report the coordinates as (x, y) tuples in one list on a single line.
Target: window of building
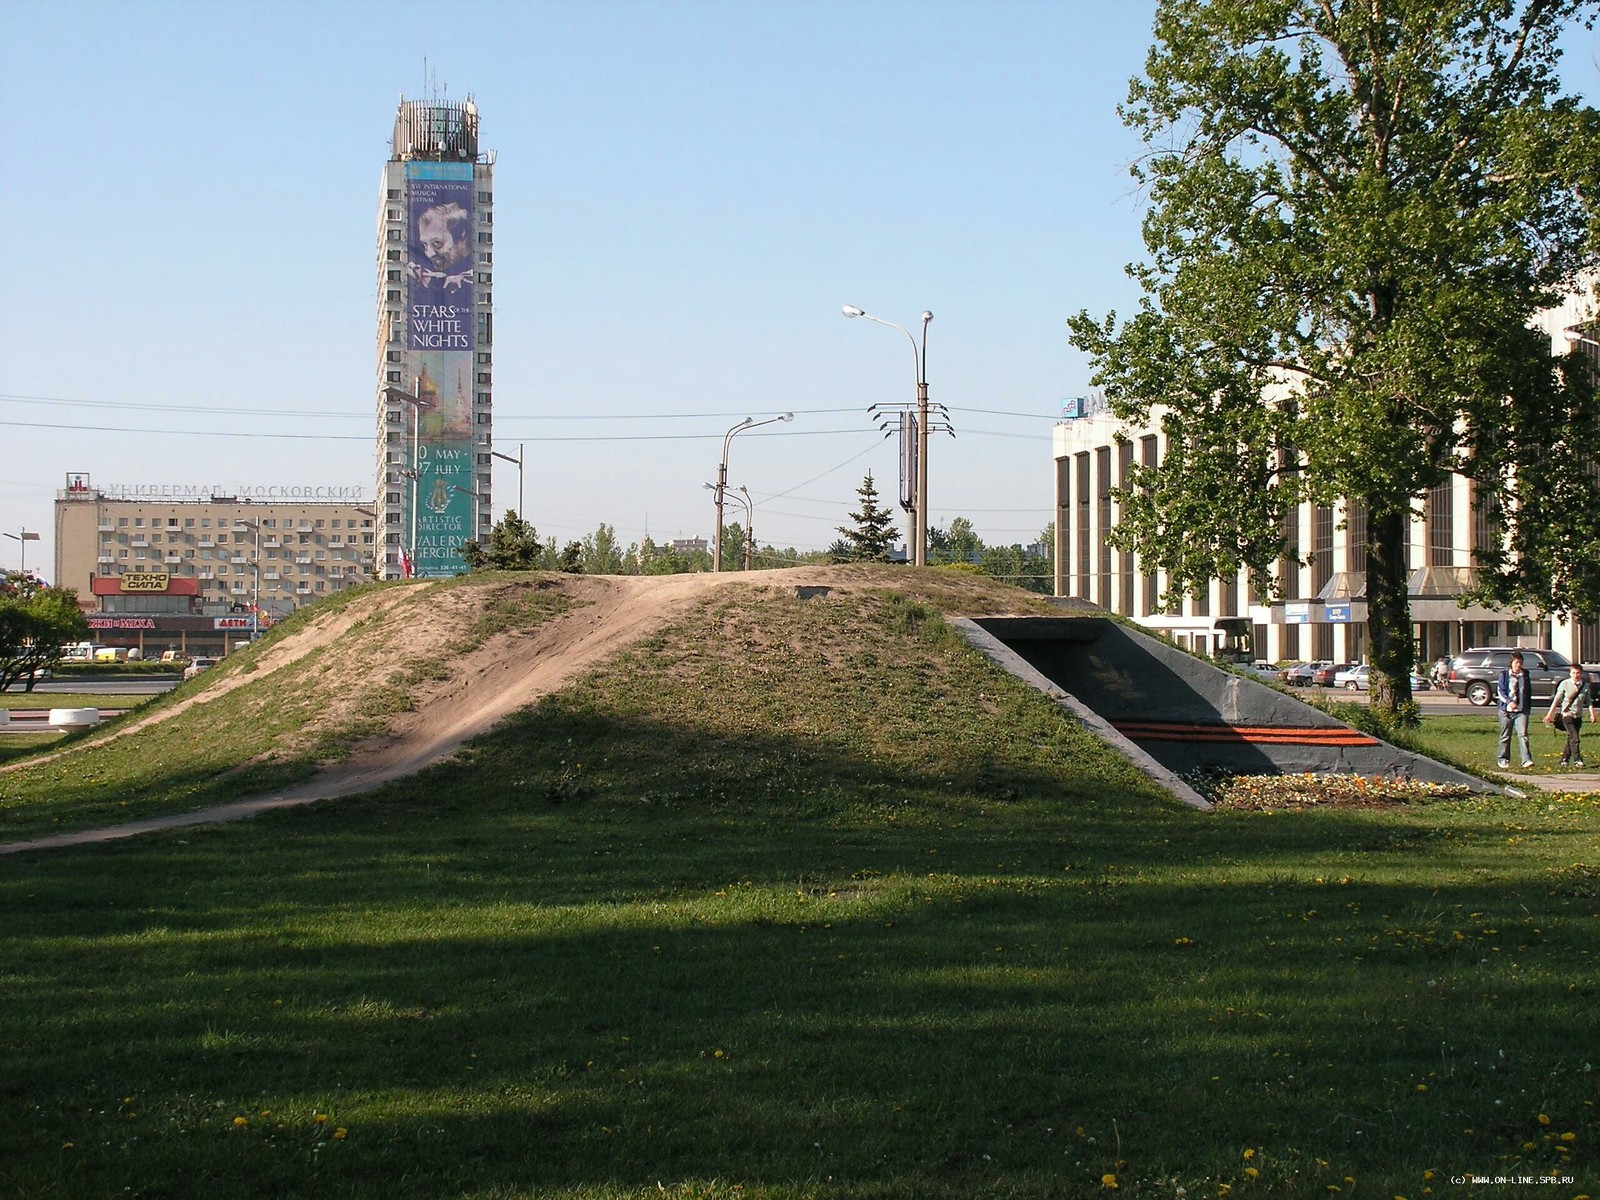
[(394, 214), (392, 277), (1102, 470), (394, 193), (188, 522), (319, 523), (394, 235), (486, 259), (393, 256), (485, 377), (394, 295), (393, 376), (483, 418), (392, 356), (138, 522), (485, 238), (1441, 538), (483, 398), (1355, 524), (485, 197), (172, 522), (205, 522), (485, 277), (1321, 549), (1487, 527), (484, 358)]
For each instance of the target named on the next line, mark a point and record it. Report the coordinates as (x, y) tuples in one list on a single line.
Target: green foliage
[(602, 554), (571, 560), (36, 624), (871, 535), (513, 546), (1356, 210)]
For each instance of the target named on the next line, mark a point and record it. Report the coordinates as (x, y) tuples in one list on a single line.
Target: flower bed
[(1263, 792)]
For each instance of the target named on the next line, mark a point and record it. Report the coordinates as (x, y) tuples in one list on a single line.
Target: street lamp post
[(24, 537), (255, 595), (919, 361), (749, 529), (414, 473), (749, 520), (1576, 335), (722, 476), (473, 496), (518, 461)]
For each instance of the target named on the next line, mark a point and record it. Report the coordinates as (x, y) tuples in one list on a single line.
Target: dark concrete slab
[(1188, 715)]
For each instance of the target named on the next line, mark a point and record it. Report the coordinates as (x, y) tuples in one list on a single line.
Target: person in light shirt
[(1573, 695)]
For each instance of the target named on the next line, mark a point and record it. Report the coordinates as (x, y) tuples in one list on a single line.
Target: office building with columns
[(1321, 611), (435, 339)]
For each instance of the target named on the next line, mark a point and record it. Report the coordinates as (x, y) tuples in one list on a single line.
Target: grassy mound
[(804, 899)]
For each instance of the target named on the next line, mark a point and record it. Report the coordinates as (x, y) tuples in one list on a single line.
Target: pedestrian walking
[(1513, 692), (1573, 695)]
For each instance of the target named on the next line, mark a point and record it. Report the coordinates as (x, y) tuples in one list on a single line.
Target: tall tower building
[(435, 346)]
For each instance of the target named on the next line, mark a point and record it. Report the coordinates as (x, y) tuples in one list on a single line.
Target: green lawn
[(1474, 738), (805, 900)]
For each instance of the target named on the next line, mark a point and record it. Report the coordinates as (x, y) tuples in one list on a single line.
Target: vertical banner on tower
[(439, 363)]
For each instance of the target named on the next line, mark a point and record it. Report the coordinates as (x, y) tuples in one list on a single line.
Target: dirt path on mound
[(509, 671)]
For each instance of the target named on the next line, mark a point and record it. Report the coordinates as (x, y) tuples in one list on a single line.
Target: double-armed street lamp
[(919, 362), (24, 537), (748, 553), (255, 594), (721, 486), (518, 461)]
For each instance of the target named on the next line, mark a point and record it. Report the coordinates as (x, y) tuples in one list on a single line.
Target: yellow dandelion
[(1251, 1172), (320, 1118), (1544, 1119), (1422, 1087), (340, 1134), (1108, 1181), (240, 1122), (1569, 1137), (68, 1145), (1249, 1153)]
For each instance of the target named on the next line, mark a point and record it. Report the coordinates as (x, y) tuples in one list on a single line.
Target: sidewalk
[(1586, 780)]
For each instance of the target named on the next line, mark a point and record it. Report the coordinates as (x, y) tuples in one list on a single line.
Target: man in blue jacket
[(1515, 697)]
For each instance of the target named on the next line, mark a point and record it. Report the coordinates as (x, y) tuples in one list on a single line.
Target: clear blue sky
[(685, 194)]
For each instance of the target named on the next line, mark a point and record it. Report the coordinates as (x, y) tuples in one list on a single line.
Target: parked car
[(1473, 672), (198, 664), (1263, 671), (1324, 675), (1360, 680), (1354, 678), (1300, 674)]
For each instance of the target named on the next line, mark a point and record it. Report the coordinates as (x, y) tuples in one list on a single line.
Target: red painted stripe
[(1173, 731)]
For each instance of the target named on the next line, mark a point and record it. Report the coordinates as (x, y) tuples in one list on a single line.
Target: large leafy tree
[(1356, 208), (872, 533), (36, 623)]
